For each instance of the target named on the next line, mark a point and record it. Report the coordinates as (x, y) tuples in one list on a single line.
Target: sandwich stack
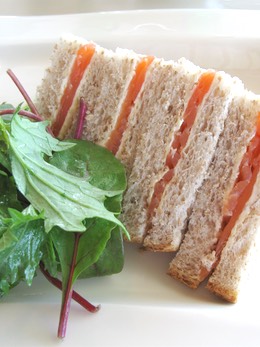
[(190, 142)]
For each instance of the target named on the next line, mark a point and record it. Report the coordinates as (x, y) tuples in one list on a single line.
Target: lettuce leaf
[(8, 195), (101, 246), (65, 199), (110, 261), (73, 193), (22, 236)]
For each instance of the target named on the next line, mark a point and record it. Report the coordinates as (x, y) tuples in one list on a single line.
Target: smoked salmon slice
[(239, 195), (135, 86), (181, 137), (83, 58)]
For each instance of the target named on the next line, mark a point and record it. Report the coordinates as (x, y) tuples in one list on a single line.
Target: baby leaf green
[(22, 236), (65, 199)]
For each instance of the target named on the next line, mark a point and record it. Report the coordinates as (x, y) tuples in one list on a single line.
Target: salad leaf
[(4, 158), (103, 170), (111, 260), (91, 244), (50, 258), (5, 106), (65, 199), (22, 236), (49, 187), (8, 195), (96, 164), (78, 252)]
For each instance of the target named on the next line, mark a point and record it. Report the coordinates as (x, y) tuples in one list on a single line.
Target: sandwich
[(223, 223), (160, 197), (108, 81), (182, 133)]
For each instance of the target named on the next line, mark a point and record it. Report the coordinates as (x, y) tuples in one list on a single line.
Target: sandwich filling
[(135, 86), (181, 138), (239, 195), (82, 60)]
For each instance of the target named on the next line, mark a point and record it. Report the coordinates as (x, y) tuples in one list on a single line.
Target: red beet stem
[(28, 114), (23, 91), (75, 296), (81, 119), (66, 301)]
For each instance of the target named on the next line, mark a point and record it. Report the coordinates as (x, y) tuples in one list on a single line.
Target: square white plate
[(142, 306)]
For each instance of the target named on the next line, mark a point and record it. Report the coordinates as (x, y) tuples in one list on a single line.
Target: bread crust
[(157, 114), (169, 222), (54, 81), (198, 248), (238, 252), (224, 293)]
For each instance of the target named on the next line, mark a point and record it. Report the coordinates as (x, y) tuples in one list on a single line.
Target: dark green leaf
[(111, 261), (65, 199), (50, 257), (102, 169), (91, 245), (20, 249), (8, 195), (4, 157)]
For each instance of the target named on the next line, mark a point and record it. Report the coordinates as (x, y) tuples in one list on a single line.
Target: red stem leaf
[(81, 119), (75, 296), (28, 114), (65, 308), (23, 92)]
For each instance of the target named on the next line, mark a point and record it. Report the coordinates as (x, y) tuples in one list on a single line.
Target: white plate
[(142, 306)]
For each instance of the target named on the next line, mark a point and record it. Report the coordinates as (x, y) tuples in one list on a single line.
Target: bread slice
[(51, 89), (103, 87), (197, 251), (231, 270), (155, 118), (169, 222)]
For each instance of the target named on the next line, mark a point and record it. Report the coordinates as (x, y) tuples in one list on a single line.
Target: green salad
[(59, 208)]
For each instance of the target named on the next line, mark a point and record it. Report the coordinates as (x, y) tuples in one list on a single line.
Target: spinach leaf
[(84, 255), (8, 195), (65, 199), (96, 164), (104, 171), (111, 260), (22, 236), (76, 186), (90, 246)]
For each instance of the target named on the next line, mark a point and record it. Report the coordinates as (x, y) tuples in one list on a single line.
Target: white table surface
[(50, 7)]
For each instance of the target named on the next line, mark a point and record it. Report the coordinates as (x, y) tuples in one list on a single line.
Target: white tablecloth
[(47, 7)]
